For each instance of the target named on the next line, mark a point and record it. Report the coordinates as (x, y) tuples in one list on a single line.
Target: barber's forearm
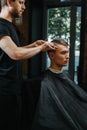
[(25, 53), (29, 45)]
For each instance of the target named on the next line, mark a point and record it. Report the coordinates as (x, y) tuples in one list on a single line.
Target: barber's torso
[(10, 70), (9, 67)]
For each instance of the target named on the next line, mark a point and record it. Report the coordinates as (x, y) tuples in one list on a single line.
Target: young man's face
[(60, 57), (17, 7)]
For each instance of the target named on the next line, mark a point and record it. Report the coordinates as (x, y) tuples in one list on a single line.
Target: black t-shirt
[(8, 67)]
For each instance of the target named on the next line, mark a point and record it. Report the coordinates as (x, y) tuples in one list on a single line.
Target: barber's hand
[(45, 46), (48, 46), (38, 43)]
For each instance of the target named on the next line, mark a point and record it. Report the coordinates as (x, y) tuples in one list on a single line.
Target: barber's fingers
[(48, 46), (51, 45), (39, 42), (45, 45)]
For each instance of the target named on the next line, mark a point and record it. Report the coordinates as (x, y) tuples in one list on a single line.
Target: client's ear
[(9, 2), (51, 55)]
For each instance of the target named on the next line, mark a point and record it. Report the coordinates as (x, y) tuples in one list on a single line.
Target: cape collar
[(54, 71)]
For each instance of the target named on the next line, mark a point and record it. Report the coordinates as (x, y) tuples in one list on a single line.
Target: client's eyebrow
[(64, 52)]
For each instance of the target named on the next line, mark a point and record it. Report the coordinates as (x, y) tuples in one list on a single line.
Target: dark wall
[(36, 33), (82, 69)]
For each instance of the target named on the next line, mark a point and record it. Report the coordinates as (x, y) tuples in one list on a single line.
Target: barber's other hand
[(38, 43), (48, 46), (45, 46)]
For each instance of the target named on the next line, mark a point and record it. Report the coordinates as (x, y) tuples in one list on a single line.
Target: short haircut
[(4, 2), (58, 41)]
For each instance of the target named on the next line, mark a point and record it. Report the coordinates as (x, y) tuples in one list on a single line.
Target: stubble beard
[(15, 14)]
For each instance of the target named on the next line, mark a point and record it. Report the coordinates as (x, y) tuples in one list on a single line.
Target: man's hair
[(4, 2), (58, 41)]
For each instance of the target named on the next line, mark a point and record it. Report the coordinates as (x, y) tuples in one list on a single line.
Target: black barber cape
[(62, 104)]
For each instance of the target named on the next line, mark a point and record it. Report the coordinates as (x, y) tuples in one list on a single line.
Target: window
[(64, 22)]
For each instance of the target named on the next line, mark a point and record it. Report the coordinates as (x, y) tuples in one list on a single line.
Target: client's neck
[(55, 70)]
